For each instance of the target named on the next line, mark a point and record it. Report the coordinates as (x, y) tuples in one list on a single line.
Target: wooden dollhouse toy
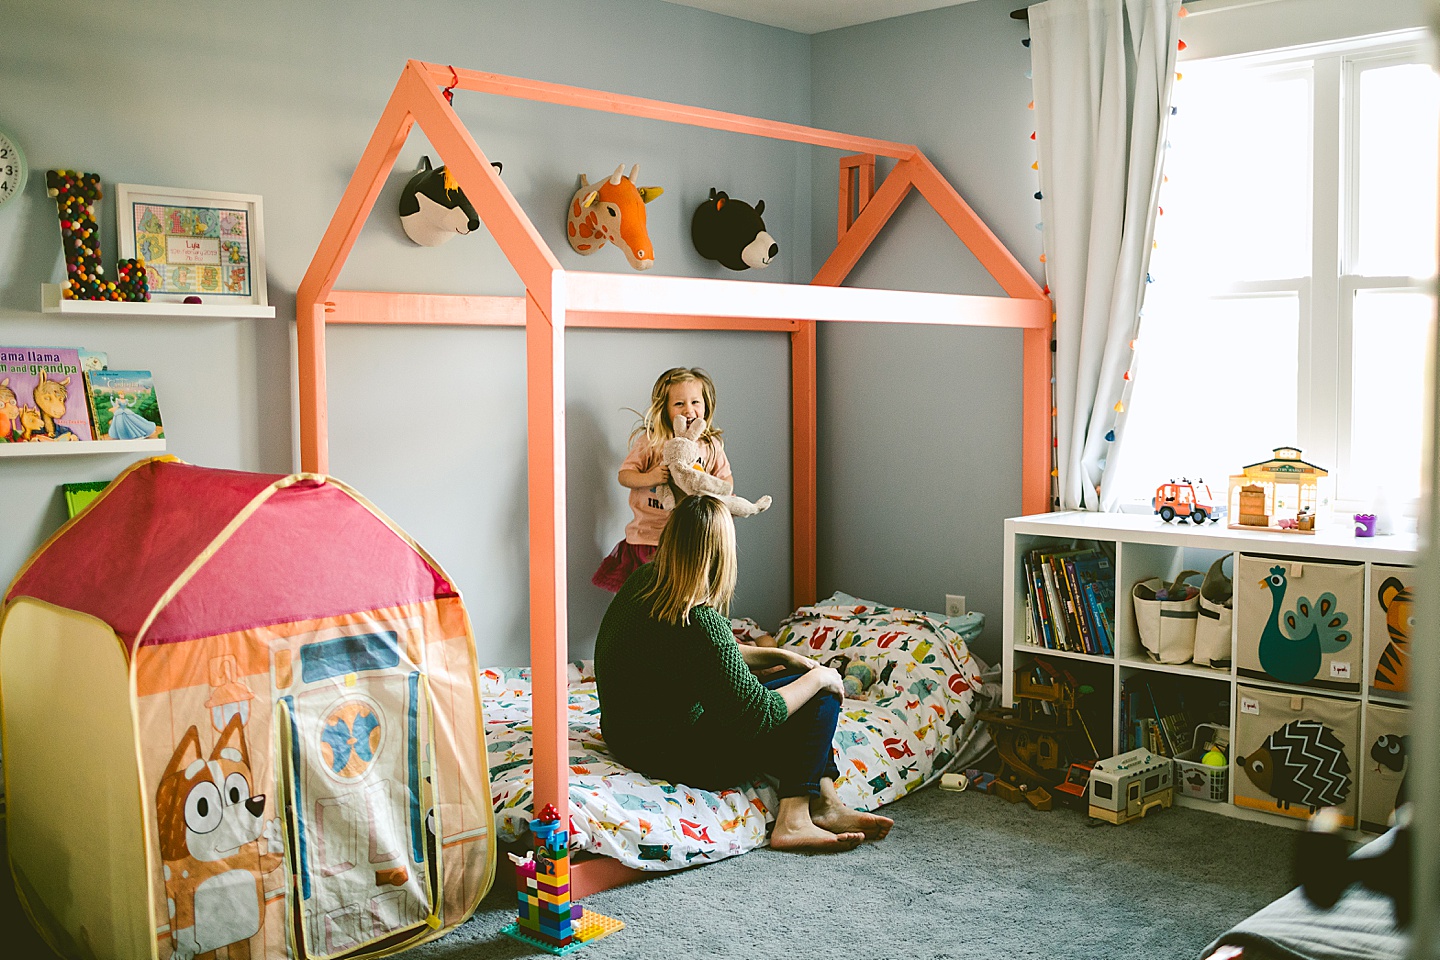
[(1278, 494), (1128, 786)]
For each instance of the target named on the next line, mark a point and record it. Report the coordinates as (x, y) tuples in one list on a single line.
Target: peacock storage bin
[(1300, 622), (1294, 753), (242, 719), (1384, 766), (1392, 615)]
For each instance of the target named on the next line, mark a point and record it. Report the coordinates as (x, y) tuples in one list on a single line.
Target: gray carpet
[(963, 875)]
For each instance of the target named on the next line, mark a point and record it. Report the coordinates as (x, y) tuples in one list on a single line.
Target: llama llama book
[(42, 395), (123, 405)]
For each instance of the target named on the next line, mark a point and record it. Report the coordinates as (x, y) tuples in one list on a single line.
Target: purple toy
[(1364, 524)]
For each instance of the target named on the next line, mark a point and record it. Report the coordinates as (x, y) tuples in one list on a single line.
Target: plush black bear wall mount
[(732, 232), (434, 209)]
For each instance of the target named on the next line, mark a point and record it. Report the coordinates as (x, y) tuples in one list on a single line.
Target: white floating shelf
[(40, 448), (51, 301)]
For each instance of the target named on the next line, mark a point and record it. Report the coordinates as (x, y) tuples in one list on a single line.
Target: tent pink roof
[(303, 547)]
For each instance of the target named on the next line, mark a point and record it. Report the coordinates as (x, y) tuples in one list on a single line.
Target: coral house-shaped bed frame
[(556, 298)]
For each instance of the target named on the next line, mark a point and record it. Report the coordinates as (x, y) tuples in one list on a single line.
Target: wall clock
[(13, 168)]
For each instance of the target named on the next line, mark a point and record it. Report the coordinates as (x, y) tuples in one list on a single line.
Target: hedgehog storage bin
[(1295, 753), (241, 719), (1300, 622)]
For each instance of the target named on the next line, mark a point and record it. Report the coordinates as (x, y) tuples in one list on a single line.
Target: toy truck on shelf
[(1188, 500), (1128, 786)]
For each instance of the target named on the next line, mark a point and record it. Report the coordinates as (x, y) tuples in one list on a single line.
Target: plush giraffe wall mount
[(612, 211)]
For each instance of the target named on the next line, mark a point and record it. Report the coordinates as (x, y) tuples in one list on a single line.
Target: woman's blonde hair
[(695, 563), (655, 421)]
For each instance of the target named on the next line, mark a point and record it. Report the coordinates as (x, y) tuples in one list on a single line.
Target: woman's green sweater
[(678, 702)]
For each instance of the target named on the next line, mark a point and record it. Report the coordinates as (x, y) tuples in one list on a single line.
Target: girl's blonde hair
[(655, 421), (695, 563)]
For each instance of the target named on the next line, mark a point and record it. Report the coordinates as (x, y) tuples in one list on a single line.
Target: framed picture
[(195, 243)]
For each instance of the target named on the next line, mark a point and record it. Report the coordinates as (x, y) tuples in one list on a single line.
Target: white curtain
[(1102, 71)]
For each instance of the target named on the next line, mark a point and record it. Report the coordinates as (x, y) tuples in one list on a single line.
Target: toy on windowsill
[(1187, 500), (548, 919), (1279, 494)]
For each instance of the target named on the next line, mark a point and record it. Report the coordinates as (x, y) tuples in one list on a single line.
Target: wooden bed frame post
[(1036, 444), (545, 443), (804, 451)]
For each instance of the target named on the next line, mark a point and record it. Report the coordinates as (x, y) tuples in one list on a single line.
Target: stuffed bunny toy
[(681, 453)]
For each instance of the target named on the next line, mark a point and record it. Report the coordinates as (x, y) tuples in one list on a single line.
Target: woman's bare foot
[(827, 812), (795, 831), (814, 840)]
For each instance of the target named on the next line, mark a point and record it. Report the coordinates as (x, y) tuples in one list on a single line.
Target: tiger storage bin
[(1392, 611), (1294, 753), (1299, 622), (242, 719)]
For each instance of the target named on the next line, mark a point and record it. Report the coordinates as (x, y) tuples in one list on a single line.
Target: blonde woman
[(678, 700)]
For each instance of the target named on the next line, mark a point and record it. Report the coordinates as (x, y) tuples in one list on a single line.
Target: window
[(1294, 258)]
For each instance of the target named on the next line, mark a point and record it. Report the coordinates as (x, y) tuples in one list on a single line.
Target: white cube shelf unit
[(1145, 546)]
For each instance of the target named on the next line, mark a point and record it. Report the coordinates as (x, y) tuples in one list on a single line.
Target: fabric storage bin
[(1295, 753), (1167, 626), (1299, 621), (1392, 613), (1384, 766), (1200, 780), (1215, 624)]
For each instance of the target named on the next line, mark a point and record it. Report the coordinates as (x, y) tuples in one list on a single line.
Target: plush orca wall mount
[(433, 208)]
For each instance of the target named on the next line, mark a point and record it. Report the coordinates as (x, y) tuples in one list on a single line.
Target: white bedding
[(916, 721)]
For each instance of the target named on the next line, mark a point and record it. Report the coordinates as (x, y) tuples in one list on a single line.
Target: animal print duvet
[(916, 720)]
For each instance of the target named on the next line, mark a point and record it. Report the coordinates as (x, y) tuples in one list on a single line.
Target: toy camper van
[(1128, 786)]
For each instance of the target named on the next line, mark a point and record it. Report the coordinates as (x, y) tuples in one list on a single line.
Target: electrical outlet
[(954, 605)]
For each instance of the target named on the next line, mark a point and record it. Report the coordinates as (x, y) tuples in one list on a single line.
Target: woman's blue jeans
[(800, 752)]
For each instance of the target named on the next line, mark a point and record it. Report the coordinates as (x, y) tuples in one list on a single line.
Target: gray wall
[(279, 99), (920, 439), (920, 426)]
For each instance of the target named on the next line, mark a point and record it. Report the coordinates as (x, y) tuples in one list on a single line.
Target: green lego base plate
[(591, 927), (516, 931)]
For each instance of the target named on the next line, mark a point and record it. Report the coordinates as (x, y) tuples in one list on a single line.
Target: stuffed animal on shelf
[(433, 208), (612, 211), (732, 233), (682, 454)]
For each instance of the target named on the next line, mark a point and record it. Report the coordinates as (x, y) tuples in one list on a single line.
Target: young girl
[(686, 391)]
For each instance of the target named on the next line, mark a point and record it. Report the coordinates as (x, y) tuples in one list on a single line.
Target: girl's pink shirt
[(650, 517)]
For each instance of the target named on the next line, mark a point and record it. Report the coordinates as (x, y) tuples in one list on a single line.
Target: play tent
[(240, 710)]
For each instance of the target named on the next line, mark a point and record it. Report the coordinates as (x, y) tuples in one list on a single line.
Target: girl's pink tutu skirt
[(623, 561)]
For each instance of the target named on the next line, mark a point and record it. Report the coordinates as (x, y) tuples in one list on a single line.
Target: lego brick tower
[(547, 917)]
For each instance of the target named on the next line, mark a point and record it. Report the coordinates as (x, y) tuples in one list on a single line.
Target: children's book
[(42, 395), (123, 405), (79, 495)]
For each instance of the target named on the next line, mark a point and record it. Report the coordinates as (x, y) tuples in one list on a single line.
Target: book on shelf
[(1039, 605), (79, 495), (123, 405), (42, 395), (1059, 583)]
